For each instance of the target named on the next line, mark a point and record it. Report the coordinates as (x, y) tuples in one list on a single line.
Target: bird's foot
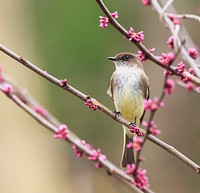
[(117, 113), (131, 125)]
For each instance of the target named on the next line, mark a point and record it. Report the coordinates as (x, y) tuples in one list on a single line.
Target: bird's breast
[(127, 95)]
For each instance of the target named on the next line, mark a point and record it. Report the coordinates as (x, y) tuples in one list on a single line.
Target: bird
[(128, 87)]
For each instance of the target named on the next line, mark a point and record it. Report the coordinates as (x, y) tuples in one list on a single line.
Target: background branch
[(188, 16), (52, 126), (159, 10), (181, 84)]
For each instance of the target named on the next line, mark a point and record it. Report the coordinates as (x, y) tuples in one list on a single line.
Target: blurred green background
[(64, 38)]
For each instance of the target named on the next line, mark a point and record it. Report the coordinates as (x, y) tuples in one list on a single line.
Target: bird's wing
[(144, 86), (110, 87), (146, 92)]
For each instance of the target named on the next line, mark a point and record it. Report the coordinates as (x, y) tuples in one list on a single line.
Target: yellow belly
[(130, 106)]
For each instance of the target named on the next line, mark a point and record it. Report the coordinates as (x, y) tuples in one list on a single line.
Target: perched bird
[(128, 88)]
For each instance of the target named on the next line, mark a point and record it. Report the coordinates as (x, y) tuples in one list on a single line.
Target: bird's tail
[(127, 153)]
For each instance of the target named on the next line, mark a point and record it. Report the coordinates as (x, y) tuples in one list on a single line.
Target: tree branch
[(101, 107), (152, 114), (181, 84), (188, 16), (25, 100), (156, 6), (149, 55)]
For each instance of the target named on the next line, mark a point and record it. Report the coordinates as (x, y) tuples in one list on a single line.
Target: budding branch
[(103, 108), (151, 56)]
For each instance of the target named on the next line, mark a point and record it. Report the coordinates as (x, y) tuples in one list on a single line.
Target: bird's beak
[(112, 58)]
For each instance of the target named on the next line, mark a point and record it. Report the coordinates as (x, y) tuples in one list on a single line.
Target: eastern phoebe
[(128, 88)]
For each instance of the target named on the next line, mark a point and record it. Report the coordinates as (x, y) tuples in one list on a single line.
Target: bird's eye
[(126, 57)]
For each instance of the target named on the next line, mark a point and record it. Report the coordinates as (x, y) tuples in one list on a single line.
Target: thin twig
[(142, 144), (166, 6), (188, 16), (177, 43), (152, 114)]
